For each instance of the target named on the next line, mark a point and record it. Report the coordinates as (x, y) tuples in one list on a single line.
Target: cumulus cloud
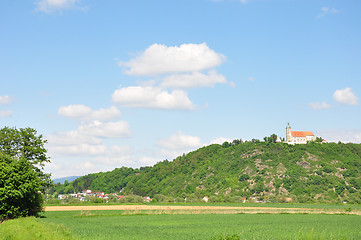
[(86, 139), (193, 80), (345, 96), (319, 106), (159, 59), (5, 100), (82, 149), (49, 6), (180, 141), (5, 114), (178, 144), (71, 138), (116, 156), (96, 128), (327, 11), (74, 143), (152, 97), (85, 113)]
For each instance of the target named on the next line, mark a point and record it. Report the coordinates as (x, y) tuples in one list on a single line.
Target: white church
[(298, 137)]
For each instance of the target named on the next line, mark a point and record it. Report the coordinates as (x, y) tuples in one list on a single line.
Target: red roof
[(301, 133)]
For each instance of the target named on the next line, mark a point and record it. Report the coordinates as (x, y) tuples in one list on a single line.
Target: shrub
[(20, 187)]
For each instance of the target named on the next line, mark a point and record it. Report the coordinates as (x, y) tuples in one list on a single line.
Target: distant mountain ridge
[(62, 180), (313, 172)]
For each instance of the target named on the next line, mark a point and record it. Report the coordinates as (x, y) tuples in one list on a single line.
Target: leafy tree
[(22, 179), (25, 143), (271, 139), (20, 187)]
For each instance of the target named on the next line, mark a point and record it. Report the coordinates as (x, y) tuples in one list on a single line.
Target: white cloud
[(117, 155), (5, 114), (59, 169), (178, 144), (75, 111), (118, 129), (85, 140), (220, 140), (343, 135), (85, 113), (148, 161), (345, 96), (319, 106), (82, 149), (49, 6), (71, 138), (152, 97), (193, 80), (115, 161), (180, 141), (326, 11), (120, 150), (159, 59), (6, 99)]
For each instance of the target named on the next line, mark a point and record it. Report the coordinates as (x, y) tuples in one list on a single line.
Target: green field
[(276, 205), (120, 224), (113, 225), (30, 229)]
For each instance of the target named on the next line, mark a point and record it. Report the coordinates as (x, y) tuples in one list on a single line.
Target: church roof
[(301, 133)]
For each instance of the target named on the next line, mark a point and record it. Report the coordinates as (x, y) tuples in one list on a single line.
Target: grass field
[(279, 205), (29, 228), (192, 222), (115, 225)]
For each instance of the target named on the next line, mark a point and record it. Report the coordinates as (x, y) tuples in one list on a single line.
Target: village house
[(89, 193)]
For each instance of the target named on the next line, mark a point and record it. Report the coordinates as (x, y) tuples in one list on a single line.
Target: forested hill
[(316, 172)]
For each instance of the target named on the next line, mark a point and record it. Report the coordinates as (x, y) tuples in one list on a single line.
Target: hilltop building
[(298, 137)]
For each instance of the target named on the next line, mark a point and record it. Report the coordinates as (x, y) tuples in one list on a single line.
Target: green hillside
[(275, 172)]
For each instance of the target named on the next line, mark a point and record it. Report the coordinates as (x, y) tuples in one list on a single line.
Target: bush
[(22, 160), (20, 187)]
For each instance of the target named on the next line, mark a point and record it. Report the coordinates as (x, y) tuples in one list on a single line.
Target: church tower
[(288, 133)]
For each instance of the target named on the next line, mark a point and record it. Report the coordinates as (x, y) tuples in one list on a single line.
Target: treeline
[(265, 171)]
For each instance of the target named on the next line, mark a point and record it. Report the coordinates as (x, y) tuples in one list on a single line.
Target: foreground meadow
[(120, 225), (190, 221)]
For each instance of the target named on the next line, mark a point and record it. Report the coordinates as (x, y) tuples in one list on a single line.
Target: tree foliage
[(19, 188), (271, 139), (22, 160)]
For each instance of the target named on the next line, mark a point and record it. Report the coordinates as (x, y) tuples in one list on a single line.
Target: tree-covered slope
[(327, 172)]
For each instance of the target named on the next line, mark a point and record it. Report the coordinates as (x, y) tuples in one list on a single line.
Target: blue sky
[(130, 83)]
